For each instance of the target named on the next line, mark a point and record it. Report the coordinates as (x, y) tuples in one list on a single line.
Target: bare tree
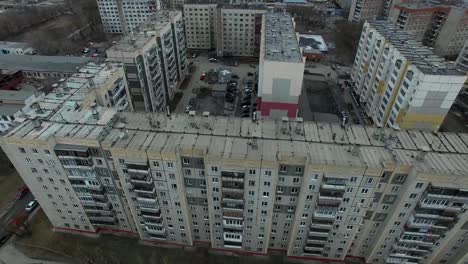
[(346, 38)]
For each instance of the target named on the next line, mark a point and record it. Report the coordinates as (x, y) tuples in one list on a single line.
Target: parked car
[(252, 65), (191, 102), (21, 192), (234, 76), (213, 60), (4, 238), (202, 77), (194, 55), (31, 205), (245, 114), (250, 74)]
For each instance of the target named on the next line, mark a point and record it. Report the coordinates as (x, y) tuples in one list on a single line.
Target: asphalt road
[(13, 209)]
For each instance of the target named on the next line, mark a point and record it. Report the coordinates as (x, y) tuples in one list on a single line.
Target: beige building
[(124, 16), (281, 67), (437, 25), (401, 83), (154, 60), (308, 190), (231, 30)]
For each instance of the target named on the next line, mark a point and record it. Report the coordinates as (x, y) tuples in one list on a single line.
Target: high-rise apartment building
[(154, 60), (281, 67), (401, 83), (231, 30), (362, 10), (124, 16), (308, 190), (437, 25)]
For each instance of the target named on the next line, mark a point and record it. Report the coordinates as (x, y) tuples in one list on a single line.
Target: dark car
[(234, 76), (4, 238), (21, 192), (245, 115), (250, 74)]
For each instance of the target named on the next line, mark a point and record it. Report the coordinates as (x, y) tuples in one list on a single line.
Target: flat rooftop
[(13, 95), (229, 137), (280, 38), (420, 56), (66, 64)]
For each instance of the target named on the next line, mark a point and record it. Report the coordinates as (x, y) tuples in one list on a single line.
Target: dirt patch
[(175, 101), (113, 249), (9, 183), (320, 97)]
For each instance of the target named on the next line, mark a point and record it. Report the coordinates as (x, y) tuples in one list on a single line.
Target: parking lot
[(220, 94)]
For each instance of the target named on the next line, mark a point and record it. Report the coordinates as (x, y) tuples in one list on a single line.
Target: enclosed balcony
[(232, 184), (232, 206), (324, 224), (102, 218), (316, 240), (330, 198), (319, 232), (144, 189), (151, 215), (233, 245), (141, 179), (233, 223), (334, 184), (232, 237), (155, 230), (146, 200), (137, 168), (148, 207), (325, 213), (233, 213)]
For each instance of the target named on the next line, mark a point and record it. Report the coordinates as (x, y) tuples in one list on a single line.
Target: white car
[(31, 205)]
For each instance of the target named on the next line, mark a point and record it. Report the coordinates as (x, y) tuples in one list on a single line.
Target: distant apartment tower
[(154, 60), (401, 83), (437, 25), (123, 16), (281, 67), (231, 30), (362, 10)]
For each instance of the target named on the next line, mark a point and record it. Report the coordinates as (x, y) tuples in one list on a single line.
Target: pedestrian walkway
[(10, 255)]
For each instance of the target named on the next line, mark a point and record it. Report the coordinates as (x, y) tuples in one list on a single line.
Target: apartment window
[(156, 163), (35, 151), (215, 179), (214, 168), (296, 180), (419, 185), (252, 172), (185, 161), (33, 170), (174, 186), (266, 194), (395, 188), (294, 190), (298, 170), (266, 183), (280, 179), (170, 165), (283, 168), (364, 190), (413, 195), (28, 160), (22, 150), (309, 197), (353, 179), (407, 205), (268, 173)]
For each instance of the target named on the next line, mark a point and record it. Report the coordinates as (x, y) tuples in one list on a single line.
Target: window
[(22, 150), (280, 179), (353, 179), (214, 168), (266, 194), (185, 161), (283, 168), (268, 173), (266, 183), (252, 172), (419, 185), (298, 170), (35, 151), (33, 170), (413, 195), (296, 180), (364, 190), (170, 165)]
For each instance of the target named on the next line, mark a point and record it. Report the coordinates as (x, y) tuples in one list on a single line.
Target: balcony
[(233, 190), (317, 249), (319, 232), (232, 245), (154, 223), (145, 200), (233, 213), (232, 174), (144, 189), (329, 199), (232, 185), (414, 249), (321, 224), (324, 215), (98, 210), (316, 240), (400, 255), (141, 179), (417, 242), (232, 237), (107, 219), (155, 230), (398, 261), (235, 224), (151, 215), (333, 187), (434, 215), (138, 168)]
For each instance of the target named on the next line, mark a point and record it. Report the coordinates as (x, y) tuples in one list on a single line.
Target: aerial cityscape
[(215, 131)]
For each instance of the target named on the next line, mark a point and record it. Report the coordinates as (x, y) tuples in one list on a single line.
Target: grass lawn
[(113, 249), (9, 183)]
